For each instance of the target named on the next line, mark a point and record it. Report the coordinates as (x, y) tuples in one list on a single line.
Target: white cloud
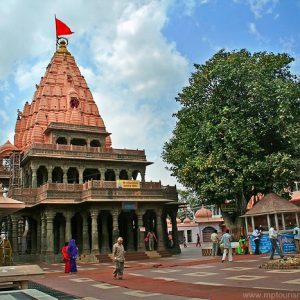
[(4, 117), (253, 30), (261, 7), (133, 71)]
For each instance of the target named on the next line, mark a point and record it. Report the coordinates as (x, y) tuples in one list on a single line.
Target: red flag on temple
[(62, 28)]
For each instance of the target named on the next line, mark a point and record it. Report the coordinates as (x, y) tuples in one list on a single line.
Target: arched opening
[(89, 174), (95, 143), (41, 175), (57, 175), (206, 233), (73, 175), (78, 142), (149, 220), (59, 224), (76, 225), (123, 175), (136, 175), (61, 141), (110, 175)]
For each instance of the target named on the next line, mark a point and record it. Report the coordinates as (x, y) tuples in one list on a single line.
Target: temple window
[(136, 175), (123, 175), (73, 175), (42, 175), (57, 175), (78, 142), (62, 141), (89, 174), (74, 102), (110, 175), (95, 143)]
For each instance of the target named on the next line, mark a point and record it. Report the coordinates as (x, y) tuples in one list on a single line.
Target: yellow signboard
[(128, 184)]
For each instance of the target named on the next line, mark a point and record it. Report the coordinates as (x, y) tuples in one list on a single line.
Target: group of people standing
[(70, 253)]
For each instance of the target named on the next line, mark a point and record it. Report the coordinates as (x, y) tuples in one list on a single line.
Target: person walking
[(73, 252), (226, 241), (198, 240), (118, 255), (256, 237), (296, 233), (151, 238), (184, 242), (273, 238), (66, 257), (215, 243)]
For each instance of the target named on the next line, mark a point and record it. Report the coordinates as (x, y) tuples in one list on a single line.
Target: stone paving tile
[(208, 283), (201, 274), (81, 279), (105, 286), (246, 277), (237, 269), (141, 294), (165, 271), (199, 267), (293, 281), (291, 271), (166, 278)]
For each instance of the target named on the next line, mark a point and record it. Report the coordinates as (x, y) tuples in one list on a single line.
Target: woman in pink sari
[(66, 257)]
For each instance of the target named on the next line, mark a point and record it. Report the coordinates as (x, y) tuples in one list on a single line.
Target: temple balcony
[(84, 152), (93, 191)]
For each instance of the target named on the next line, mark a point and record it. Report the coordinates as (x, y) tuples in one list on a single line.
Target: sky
[(136, 56)]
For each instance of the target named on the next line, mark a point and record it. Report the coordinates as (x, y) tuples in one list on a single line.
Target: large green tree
[(238, 128)]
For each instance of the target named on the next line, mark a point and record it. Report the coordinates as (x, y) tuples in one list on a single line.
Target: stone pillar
[(268, 220), (95, 245), (130, 239), (102, 173), (276, 222), (38, 235), (43, 234), (159, 230), (283, 222), (117, 172), (68, 231), (34, 178), (50, 169), (80, 171), (140, 234), (14, 234), (104, 235), (65, 175), (175, 231), (252, 222), (49, 235), (246, 224), (143, 175), (297, 219), (85, 234), (115, 233)]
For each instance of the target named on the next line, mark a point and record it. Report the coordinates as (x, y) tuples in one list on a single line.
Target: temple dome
[(62, 96), (187, 220), (7, 148), (203, 213)]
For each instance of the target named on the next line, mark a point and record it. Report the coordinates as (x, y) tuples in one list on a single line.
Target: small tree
[(237, 132)]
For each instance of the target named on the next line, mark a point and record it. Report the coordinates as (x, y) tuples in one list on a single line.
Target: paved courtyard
[(187, 276)]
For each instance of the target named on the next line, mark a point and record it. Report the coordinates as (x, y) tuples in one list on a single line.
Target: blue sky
[(135, 55)]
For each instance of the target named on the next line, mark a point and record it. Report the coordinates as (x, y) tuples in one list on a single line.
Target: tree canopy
[(237, 131)]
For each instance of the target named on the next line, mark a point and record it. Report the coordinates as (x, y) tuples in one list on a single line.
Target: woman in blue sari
[(73, 251)]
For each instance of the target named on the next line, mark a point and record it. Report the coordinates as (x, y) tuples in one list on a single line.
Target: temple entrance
[(128, 230), (76, 230), (59, 225)]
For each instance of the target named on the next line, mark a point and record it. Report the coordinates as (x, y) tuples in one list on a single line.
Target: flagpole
[(55, 32)]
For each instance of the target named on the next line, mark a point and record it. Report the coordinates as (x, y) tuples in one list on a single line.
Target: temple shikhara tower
[(73, 183)]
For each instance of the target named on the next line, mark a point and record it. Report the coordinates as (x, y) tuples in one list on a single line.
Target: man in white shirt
[(256, 236), (296, 233), (273, 238)]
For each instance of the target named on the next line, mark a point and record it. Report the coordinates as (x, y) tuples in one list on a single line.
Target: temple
[(73, 183)]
